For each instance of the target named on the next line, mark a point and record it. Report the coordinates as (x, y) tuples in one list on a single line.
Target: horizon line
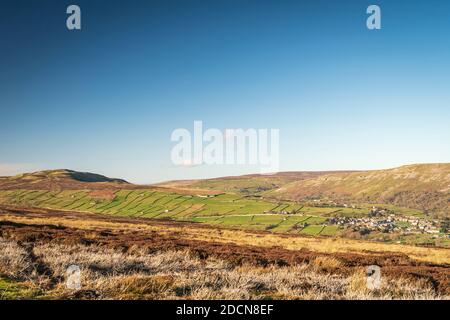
[(234, 176)]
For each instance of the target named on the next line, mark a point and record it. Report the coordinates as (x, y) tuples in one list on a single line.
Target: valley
[(177, 238), (244, 203)]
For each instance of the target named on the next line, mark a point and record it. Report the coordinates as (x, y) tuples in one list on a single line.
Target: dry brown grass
[(327, 263), (192, 232), (109, 273), (400, 288), (14, 259)]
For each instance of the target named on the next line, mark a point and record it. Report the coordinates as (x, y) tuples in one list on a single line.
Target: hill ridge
[(60, 179)]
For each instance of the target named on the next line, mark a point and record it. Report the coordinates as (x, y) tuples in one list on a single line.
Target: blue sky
[(107, 98)]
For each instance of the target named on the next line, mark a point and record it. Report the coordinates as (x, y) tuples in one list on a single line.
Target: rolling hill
[(422, 186), (251, 184), (307, 203), (61, 179)]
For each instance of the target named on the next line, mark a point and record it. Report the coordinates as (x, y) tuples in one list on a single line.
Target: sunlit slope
[(425, 186), (245, 208), (60, 179), (225, 209), (253, 184)]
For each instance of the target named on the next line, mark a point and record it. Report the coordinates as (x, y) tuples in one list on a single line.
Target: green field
[(225, 210)]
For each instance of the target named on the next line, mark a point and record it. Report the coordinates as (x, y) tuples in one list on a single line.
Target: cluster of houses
[(378, 220), (416, 225), (371, 224)]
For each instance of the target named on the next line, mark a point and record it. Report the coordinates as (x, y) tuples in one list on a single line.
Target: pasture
[(224, 210)]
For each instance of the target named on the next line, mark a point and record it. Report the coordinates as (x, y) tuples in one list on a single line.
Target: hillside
[(249, 184), (424, 186), (132, 258), (308, 203), (60, 179)]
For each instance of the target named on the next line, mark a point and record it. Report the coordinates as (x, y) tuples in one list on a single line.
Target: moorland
[(291, 235)]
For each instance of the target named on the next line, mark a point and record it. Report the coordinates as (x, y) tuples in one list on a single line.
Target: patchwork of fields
[(54, 214), (227, 210)]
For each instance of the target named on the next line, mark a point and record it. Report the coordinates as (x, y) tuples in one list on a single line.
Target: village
[(385, 221)]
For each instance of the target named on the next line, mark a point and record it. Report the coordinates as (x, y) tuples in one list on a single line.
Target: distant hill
[(423, 186), (64, 179), (248, 184), (61, 179)]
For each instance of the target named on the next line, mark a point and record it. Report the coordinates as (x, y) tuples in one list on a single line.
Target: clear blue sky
[(107, 98)]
